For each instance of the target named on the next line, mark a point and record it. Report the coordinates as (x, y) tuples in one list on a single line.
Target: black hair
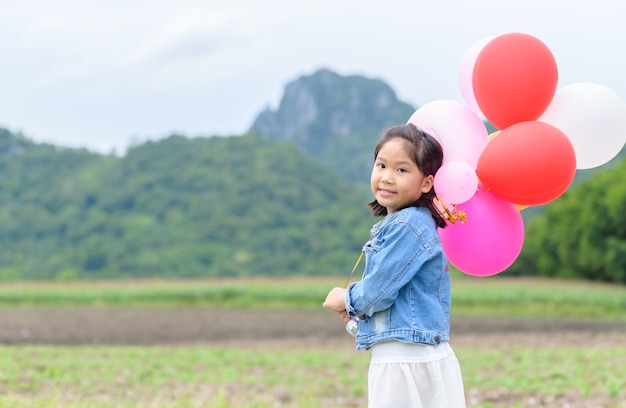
[(427, 154)]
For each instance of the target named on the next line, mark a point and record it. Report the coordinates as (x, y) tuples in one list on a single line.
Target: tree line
[(243, 206), (179, 207)]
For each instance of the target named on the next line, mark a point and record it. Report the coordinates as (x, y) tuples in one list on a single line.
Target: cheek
[(373, 180)]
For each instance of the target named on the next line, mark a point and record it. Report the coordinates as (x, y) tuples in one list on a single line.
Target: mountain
[(179, 207), (335, 119), (255, 204), (285, 199)]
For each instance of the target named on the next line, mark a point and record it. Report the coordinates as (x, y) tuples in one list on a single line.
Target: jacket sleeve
[(391, 265)]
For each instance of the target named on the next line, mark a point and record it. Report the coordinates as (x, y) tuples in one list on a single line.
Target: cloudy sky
[(103, 74)]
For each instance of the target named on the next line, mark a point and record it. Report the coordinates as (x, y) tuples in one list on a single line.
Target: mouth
[(385, 193)]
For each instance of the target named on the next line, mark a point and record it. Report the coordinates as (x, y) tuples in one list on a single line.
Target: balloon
[(489, 241), (466, 70), (514, 79), (481, 187), (460, 131), (593, 118), (493, 135), (456, 182), (520, 207), (529, 163)]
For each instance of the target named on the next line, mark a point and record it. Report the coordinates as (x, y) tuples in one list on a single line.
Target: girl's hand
[(344, 316), (335, 300)]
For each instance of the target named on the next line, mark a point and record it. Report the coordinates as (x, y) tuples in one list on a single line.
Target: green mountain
[(285, 199), (256, 204), (179, 207)]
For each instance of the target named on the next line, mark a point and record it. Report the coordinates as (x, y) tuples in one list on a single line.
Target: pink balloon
[(460, 131), (456, 182), (466, 70), (489, 241)]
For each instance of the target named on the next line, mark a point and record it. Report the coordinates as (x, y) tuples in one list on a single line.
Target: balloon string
[(453, 215), (345, 285), (358, 260)]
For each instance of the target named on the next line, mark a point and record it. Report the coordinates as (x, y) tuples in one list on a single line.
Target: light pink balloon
[(593, 117), (456, 182), (466, 70), (489, 241), (460, 131)]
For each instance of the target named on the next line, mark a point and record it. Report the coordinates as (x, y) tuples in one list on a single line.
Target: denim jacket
[(404, 294)]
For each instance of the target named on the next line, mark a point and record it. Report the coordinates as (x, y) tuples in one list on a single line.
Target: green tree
[(179, 207), (582, 234)]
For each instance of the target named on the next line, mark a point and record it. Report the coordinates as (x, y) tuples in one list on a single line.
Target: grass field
[(235, 377), (519, 374), (488, 296)]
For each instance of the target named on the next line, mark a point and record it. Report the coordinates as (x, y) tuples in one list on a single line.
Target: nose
[(387, 177)]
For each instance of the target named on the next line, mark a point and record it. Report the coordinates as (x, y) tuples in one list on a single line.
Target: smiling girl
[(402, 303)]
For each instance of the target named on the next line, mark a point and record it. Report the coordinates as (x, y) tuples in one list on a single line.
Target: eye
[(380, 165), (402, 170)]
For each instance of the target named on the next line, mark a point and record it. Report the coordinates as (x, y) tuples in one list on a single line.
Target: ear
[(428, 183)]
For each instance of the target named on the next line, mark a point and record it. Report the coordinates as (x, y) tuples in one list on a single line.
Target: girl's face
[(396, 180)]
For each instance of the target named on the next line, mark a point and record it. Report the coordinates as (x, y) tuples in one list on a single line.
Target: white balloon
[(593, 117), (456, 182)]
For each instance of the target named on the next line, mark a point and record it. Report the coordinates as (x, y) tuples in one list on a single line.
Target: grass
[(548, 371), (539, 297), (177, 376), (478, 296), (197, 376), (123, 377)]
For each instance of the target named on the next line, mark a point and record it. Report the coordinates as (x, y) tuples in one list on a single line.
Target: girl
[(402, 303)]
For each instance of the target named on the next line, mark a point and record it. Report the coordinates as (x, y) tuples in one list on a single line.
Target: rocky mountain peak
[(325, 105)]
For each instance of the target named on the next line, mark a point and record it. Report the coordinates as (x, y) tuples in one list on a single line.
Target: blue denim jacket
[(404, 294)]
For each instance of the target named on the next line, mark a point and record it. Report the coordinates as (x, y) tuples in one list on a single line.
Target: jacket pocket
[(380, 321)]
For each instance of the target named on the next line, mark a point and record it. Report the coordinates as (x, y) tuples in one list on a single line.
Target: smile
[(385, 193)]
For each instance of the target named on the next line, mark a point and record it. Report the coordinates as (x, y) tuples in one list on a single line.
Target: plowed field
[(286, 329), (150, 326)]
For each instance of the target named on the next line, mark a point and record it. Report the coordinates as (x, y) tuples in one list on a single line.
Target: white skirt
[(414, 375)]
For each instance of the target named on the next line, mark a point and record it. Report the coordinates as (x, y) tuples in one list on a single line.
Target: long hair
[(427, 154)]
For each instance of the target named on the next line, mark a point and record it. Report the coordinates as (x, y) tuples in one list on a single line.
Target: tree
[(582, 234)]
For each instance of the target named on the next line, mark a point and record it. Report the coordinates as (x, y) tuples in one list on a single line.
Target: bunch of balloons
[(543, 136)]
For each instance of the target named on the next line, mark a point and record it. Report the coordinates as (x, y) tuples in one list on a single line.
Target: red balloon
[(514, 79), (529, 163)]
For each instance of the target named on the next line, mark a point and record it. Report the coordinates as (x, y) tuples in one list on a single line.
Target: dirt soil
[(176, 326), (303, 329)]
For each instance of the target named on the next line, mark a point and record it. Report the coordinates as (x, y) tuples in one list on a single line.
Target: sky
[(107, 74)]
